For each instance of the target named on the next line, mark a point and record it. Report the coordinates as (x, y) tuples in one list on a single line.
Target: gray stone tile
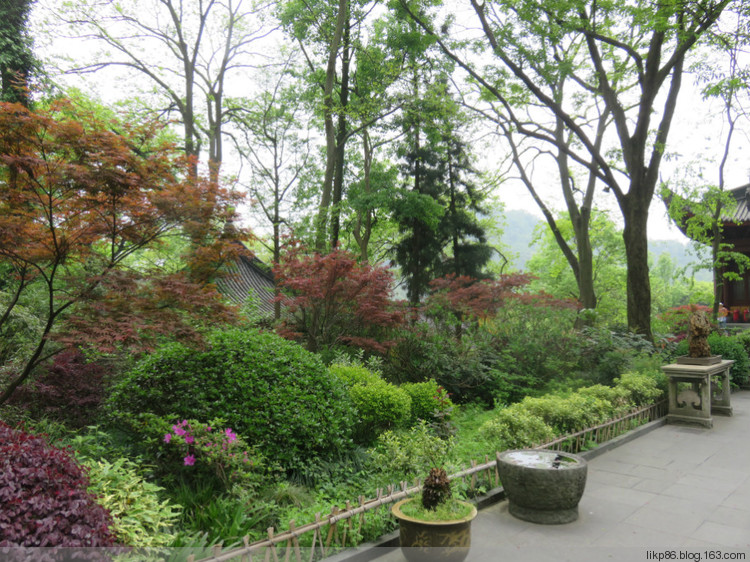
[(628, 535), (616, 494), (648, 485), (702, 545), (681, 506), (722, 473), (737, 501), (694, 493), (664, 521), (654, 473), (724, 535), (731, 516), (712, 483), (613, 479)]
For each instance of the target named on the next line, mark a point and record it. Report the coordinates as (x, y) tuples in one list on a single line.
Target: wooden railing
[(342, 527)]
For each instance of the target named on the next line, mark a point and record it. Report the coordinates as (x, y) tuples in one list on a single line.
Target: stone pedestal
[(698, 391)]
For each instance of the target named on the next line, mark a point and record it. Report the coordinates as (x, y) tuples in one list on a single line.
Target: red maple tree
[(79, 196), (457, 300), (332, 299)]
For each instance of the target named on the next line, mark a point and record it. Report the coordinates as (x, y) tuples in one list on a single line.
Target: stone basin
[(542, 486)]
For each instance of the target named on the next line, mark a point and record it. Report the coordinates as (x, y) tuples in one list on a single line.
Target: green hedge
[(378, 405), (534, 421), (428, 399), (515, 427), (278, 396)]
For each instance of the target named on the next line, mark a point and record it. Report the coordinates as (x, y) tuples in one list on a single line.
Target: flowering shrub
[(43, 497), (271, 391), (221, 451)]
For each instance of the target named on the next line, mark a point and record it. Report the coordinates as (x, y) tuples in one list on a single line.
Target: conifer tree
[(16, 59)]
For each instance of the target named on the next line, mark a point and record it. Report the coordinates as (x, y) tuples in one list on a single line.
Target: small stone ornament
[(698, 332)]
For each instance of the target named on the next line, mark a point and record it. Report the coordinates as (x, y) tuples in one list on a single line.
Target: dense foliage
[(535, 421), (81, 195), (70, 389), (332, 300), (269, 390), (43, 496)]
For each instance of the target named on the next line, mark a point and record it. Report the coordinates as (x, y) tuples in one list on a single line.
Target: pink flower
[(231, 435), (189, 460), (178, 430), (167, 437), (189, 439)]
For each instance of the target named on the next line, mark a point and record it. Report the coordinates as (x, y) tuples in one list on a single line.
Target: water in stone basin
[(540, 459)]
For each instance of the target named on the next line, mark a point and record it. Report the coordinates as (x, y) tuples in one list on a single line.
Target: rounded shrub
[(617, 399), (515, 427), (642, 388), (354, 374), (428, 399), (278, 396), (43, 496), (380, 406)]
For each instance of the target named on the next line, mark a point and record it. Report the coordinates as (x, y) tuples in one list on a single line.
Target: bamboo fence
[(342, 526)]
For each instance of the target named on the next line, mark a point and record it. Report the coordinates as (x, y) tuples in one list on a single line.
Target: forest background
[(375, 155)]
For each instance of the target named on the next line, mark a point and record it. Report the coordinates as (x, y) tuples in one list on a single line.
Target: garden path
[(675, 493)]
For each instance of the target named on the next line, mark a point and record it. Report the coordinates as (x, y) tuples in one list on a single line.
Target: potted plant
[(435, 526)]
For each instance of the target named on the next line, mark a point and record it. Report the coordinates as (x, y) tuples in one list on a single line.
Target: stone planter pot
[(542, 486), (443, 541)]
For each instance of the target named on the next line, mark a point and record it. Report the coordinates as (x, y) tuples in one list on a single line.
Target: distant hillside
[(517, 236), (519, 232)]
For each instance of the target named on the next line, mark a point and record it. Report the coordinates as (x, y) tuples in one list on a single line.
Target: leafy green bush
[(643, 389), (729, 347), (141, 518), (515, 427), (271, 391), (605, 353), (618, 399), (472, 369), (409, 453), (427, 399), (568, 414), (379, 406), (352, 374)]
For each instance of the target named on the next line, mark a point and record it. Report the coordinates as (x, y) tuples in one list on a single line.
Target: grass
[(446, 511), (467, 443)]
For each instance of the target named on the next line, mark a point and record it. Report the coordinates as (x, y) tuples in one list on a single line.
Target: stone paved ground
[(675, 493)]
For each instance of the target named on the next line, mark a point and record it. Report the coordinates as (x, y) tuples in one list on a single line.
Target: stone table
[(698, 391)]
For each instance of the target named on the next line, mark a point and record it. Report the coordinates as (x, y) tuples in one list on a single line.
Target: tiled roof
[(247, 273), (742, 212)]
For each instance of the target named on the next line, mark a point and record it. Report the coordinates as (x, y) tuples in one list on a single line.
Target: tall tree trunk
[(634, 209), (341, 137), (363, 227), (321, 221)]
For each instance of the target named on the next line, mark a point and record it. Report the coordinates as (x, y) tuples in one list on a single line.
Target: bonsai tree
[(436, 489)]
